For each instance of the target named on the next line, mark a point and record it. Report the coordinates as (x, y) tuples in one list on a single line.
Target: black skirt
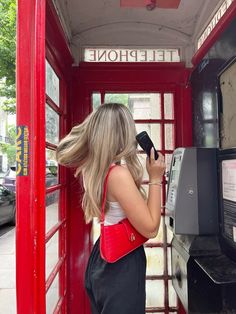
[(116, 288)]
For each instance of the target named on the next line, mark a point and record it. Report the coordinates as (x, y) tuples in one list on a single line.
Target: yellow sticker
[(22, 150)]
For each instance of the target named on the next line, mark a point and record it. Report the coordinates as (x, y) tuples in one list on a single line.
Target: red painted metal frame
[(30, 196), (229, 15)]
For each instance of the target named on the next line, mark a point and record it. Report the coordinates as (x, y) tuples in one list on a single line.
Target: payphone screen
[(228, 168)]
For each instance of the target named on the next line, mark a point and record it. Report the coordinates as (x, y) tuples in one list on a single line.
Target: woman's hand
[(155, 168)]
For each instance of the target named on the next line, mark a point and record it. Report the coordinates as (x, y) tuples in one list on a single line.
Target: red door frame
[(30, 196), (37, 24)]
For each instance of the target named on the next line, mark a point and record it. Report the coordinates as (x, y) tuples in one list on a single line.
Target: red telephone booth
[(53, 94)]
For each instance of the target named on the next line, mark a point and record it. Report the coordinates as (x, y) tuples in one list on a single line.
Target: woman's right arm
[(144, 216)]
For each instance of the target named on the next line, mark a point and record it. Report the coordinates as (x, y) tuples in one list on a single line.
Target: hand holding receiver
[(146, 143), (155, 168)]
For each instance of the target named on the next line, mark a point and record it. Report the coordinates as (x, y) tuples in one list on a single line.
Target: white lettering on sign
[(131, 55), (218, 15)]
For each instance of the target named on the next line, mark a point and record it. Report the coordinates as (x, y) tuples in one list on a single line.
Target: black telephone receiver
[(146, 143)]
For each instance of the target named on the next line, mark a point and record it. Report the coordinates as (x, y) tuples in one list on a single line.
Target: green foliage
[(10, 149), (8, 53), (110, 98), (117, 98)]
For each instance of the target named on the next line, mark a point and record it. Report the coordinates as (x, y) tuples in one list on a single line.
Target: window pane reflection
[(169, 260), (96, 100), (168, 158), (145, 106), (169, 234), (155, 261), (52, 84), (155, 293), (117, 98), (142, 105), (169, 136), (52, 253), (51, 168), (172, 295), (169, 106), (153, 130), (52, 125), (142, 159), (51, 209), (52, 296)]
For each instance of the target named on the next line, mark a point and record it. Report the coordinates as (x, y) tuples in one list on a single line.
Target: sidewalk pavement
[(7, 273)]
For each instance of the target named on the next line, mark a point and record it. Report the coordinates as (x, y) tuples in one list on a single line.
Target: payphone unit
[(192, 205), (203, 276)]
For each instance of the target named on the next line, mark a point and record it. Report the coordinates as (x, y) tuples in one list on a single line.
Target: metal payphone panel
[(192, 203)]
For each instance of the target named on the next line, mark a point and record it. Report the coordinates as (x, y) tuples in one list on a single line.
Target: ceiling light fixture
[(151, 6)]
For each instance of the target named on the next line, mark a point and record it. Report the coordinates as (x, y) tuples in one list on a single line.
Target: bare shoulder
[(120, 174), (119, 182)]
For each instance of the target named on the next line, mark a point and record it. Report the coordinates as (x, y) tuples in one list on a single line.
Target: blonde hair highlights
[(106, 136)]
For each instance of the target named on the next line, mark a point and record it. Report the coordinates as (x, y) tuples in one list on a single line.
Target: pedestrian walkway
[(7, 273)]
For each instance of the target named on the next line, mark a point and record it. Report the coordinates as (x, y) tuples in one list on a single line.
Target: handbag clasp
[(132, 237)]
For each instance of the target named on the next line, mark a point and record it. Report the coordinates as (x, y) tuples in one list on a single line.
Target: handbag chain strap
[(105, 194)]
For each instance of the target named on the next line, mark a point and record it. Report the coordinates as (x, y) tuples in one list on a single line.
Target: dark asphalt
[(5, 228)]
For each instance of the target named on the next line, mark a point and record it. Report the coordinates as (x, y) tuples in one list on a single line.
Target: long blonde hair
[(106, 136)]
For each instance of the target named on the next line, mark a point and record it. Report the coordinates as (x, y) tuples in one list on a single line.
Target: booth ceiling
[(130, 23)]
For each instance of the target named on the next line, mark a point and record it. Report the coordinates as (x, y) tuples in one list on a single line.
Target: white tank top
[(114, 214)]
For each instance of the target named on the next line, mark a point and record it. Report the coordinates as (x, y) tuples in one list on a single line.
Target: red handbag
[(119, 239)]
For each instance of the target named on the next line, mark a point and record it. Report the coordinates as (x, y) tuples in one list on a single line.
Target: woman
[(105, 138)]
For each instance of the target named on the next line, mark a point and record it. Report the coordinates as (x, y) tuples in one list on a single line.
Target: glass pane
[(145, 106), (169, 136), (52, 125), (51, 209), (155, 261), (95, 230), (52, 296), (172, 295), (210, 135), (168, 158), (52, 84), (51, 168), (153, 130), (142, 106), (117, 98), (169, 260), (169, 106), (142, 159), (51, 253), (155, 293), (169, 235), (96, 100)]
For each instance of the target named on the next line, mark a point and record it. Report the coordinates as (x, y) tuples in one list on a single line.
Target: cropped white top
[(114, 214)]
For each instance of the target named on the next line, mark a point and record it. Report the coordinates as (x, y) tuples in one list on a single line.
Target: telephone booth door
[(42, 222)]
